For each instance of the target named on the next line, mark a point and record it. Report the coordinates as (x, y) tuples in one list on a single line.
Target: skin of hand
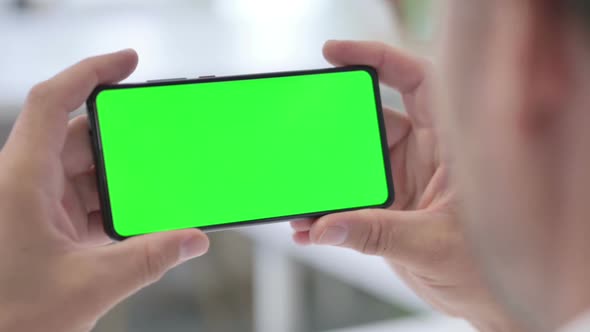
[(58, 273), (515, 115), (420, 235)]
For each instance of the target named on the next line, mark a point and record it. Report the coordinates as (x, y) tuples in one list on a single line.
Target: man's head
[(514, 105), (580, 8)]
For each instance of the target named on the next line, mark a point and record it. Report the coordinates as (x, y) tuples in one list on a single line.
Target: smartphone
[(220, 152)]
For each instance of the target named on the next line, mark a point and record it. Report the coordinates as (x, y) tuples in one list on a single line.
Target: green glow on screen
[(203, 154)]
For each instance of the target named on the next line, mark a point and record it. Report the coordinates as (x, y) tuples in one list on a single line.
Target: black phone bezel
[(99, 160)]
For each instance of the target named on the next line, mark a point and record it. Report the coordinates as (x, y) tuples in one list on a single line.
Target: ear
[(548, 71)]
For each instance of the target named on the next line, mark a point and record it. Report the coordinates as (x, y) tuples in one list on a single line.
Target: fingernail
[(192, 247), (333, 235)]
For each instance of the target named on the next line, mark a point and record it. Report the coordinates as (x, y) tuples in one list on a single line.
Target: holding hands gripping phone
[(55, 250), (225, 152), (57, 272)]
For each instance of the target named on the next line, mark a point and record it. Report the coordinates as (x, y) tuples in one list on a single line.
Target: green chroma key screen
[(227, 151)]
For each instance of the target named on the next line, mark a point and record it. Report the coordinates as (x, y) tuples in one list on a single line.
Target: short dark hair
[(581, 9)]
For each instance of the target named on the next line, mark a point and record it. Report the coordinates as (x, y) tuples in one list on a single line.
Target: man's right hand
[(419, 236)]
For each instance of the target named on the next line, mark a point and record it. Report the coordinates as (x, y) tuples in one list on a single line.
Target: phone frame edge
[(100, 165)]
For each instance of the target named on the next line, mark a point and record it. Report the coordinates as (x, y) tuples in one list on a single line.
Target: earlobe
[(550, 68), (548, 78)]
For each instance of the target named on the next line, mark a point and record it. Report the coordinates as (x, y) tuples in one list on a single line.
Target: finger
[(130, 265), (396, 68), (75, 225), (41, 127), (77, 155), (397, 126), (302, 225), (87, 190), (96, 235), (302, 238), (407, 237)]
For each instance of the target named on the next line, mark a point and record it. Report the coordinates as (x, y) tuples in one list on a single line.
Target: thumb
[(407, 237), (137, 262)]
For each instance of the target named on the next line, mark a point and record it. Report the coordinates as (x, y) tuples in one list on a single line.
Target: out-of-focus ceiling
[(178, 38)]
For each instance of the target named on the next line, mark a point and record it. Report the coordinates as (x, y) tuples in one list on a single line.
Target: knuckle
[(376, 240), (380, 46), (381, 55), (154, 264), (40, 92)]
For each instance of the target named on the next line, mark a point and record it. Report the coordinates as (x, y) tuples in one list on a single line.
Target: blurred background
[(254, 279)]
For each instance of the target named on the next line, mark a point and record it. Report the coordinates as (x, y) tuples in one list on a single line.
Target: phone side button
[(99, 145), (206, 76), (167, 80)]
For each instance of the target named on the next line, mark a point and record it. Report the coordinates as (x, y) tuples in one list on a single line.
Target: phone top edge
[(211, 78)]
